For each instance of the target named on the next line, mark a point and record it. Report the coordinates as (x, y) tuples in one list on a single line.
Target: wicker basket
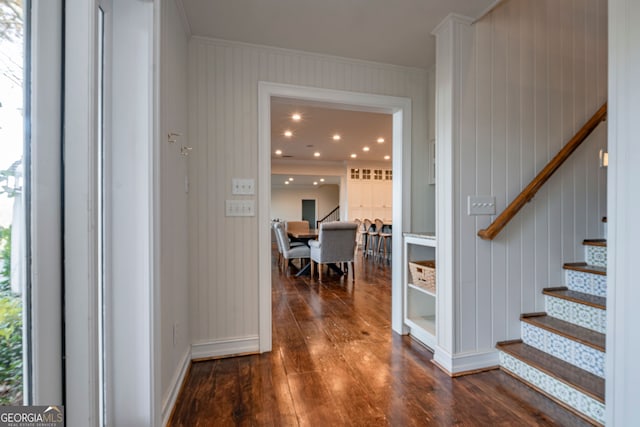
[(423, 275)]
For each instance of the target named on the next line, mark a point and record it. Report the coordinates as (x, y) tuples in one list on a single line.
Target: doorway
[(400, 109), (309, 211)]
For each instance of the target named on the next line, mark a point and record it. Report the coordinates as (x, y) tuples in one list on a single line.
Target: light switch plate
[(481, 205), (243, 187), (240, 208)]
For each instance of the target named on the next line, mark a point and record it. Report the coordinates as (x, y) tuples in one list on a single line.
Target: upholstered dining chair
[(289, 252), (336, 244)]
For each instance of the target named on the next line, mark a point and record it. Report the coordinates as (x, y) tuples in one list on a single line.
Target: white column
[(623, 339), (454, 39)]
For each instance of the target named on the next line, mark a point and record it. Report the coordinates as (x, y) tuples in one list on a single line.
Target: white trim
[(175, 385), (488, 10), (183, 17), (282, 50), (465, 362), (225, 347), (623, 205), (450, 34), (452, 18), (45, 274), (81, 214), (400, 107), (155, 241)]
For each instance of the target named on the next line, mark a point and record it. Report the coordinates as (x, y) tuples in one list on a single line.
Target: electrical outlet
[(244, 187), (481, 205)]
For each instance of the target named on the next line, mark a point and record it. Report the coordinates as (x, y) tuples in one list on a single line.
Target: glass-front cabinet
[(420, 290)]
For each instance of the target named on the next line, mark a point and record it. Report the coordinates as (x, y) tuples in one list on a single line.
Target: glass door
[(14, 293)]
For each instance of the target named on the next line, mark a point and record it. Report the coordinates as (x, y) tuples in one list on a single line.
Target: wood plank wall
[(223, 96), (539, 71), (174, 292)]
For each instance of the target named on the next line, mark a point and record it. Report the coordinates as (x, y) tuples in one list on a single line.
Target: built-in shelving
[(419, 303)]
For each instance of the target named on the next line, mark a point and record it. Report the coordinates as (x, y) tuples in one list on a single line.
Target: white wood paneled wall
[(173, 232), (538, 72), (223, 99)]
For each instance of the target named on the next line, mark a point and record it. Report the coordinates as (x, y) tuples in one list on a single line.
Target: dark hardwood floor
[(335, 362)]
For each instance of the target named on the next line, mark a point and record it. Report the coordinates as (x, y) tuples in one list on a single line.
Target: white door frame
[(400, 108), (45, 346)]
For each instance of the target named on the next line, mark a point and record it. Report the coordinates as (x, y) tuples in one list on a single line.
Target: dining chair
[(290, 252), (336, 244)]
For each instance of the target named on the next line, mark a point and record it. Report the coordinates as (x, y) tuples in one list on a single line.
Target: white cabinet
[(419, 300), (369, 193)]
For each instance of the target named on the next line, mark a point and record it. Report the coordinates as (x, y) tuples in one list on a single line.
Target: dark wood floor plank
[(335, 362)]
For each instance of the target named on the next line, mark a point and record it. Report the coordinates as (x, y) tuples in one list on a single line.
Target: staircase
[(562, 351)]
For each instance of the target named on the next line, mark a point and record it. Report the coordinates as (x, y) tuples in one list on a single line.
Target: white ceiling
[(303, 180), (314, 132), (389, 31)]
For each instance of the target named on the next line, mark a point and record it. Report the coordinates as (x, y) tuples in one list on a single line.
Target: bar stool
[(365, 236), (383, 238), (373, 234)]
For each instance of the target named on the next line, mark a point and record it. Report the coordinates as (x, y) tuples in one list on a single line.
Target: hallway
[(336, 362)]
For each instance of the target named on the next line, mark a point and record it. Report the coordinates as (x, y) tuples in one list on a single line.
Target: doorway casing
[(400, 108)]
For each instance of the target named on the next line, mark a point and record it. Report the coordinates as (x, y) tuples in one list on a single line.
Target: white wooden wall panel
[(538, 73), (223, 95), (623, 293), (174, 292)]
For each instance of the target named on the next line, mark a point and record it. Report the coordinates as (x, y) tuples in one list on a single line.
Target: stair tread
[(580, 379), (595, 242), (585, 268), (568, 330), (578, 297)]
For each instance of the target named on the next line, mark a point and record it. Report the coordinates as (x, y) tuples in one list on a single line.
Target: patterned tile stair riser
[(578, 314), (596, 255), (578, 354), (553, 387), (589, 283)]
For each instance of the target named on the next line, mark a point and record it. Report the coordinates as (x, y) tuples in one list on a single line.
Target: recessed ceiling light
[(296, 117), (286, 182), (315, 182), (353, 156), (316, 154), (380, 140), (278, 152), (290, 178), (387, 157), (336, 137), (288, 133), (321, 179), (365, 149)]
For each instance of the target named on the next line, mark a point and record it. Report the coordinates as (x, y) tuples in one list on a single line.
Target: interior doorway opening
[(309, 212), (400, 110)]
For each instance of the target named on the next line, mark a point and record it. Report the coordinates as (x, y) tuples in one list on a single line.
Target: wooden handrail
[(530, 191)]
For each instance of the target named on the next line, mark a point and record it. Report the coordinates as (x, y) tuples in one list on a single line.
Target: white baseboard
[(169, 401), (228, 347), (466, 362)]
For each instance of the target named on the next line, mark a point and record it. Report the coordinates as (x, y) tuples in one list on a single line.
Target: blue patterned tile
[(594, 284), (580, 355), (574, 398), (576, 313), (590, 359), (596, 255)]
